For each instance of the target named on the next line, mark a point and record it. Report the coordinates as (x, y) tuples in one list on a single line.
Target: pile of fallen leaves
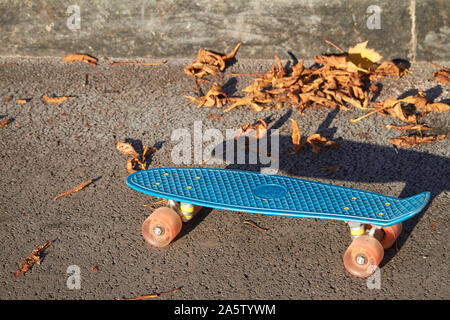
[(137, 161), (343, 81), (335, 81)]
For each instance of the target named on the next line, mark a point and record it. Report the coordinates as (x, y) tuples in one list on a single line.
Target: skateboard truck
[(186, 211), (356, 229)]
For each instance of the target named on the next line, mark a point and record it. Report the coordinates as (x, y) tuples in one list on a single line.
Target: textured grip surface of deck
[(273, 194)]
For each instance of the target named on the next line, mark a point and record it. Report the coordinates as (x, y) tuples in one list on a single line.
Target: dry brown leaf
[(249, 100), (257, 130), (8, 99), (80, 57), (137, 162), (153, 295), (132, 165), (214, 97), (127, 149), (75, 189), (442, 76), (138, 63), (330, 168), (398, 112), (417, 127), (253, 224), (412, 141), (319, 143), (22, 101), (95, 268), (388, 68), (362, 57), (34, 257), (56, 99), (394, 107), (156, 204), (4, 122), (295, 135), (147, 151), (215, 116), (208, 62), (436, 107)]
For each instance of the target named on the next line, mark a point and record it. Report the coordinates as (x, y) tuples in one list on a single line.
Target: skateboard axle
[(158, 230)]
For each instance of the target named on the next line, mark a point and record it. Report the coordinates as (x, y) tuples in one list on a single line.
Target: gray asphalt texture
[(49, 149)]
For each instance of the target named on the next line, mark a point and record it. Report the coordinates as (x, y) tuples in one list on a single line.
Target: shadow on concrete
[(359, 162)]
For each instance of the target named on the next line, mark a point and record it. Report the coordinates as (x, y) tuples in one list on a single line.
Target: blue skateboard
[(374, 219)]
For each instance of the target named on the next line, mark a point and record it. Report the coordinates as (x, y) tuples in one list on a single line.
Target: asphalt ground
[(50, 148)]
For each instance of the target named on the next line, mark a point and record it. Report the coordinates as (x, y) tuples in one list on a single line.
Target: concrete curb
[(406, 29)]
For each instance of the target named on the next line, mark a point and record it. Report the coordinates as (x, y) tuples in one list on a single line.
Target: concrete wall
[(405, 29)]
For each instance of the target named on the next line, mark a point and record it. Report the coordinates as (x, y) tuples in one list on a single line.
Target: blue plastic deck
[(254, 192)]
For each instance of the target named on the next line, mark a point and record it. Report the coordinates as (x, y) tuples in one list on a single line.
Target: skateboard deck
[(254, 192)]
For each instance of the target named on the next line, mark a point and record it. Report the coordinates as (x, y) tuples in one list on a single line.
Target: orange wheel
[(161, 227), (391, 234), (363, 256)]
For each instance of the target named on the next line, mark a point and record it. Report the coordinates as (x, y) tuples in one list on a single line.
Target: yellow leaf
[(363, 57)]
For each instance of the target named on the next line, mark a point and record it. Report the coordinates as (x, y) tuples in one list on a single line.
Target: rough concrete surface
[(48, 149), (178, 28)]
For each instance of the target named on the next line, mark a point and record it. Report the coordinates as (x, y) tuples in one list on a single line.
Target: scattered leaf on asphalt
[(412, 141), (4, 122), (156, 204), (126, 149), (363, 57), (23, 101), (258, 130), (330, 168), (443, 75), (80, 57), (75, 189), (253, 224), (319, 143), (55, 99), (153, 295), (436, 107), (215, 116), (137, 162), (409, 109), (209, 63), (138, 63), (132, 165), (214, 97), (295, 135), (95, 268), (34, 257), (417, 127)]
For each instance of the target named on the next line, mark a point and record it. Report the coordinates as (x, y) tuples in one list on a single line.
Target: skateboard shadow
[(191, 225), (362, 163)]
